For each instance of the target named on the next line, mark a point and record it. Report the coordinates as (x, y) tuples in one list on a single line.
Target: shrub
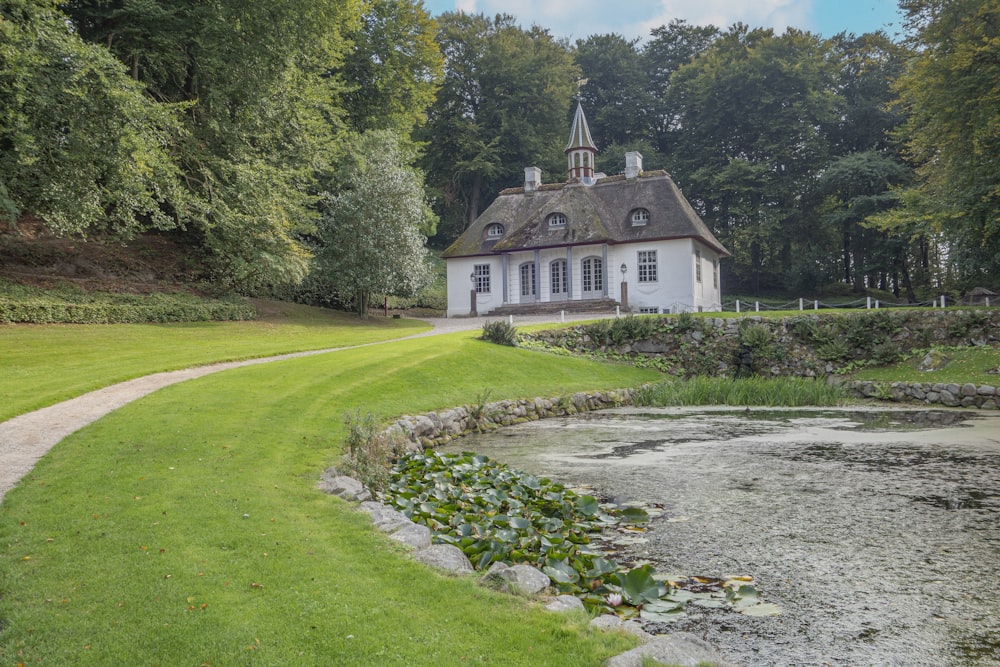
[(369, 454), (500, 332)]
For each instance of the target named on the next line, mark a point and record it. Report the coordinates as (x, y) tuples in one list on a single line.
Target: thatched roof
[(600, 213)]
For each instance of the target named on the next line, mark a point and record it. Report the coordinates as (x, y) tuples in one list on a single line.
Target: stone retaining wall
[(437, 428), (983, 397)]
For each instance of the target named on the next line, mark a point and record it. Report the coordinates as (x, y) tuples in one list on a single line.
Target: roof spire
[(580, 151)]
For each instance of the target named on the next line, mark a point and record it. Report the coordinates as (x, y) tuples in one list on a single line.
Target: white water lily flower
[(614, 599)]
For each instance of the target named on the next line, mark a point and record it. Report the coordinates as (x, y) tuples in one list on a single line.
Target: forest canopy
[(854, 162)]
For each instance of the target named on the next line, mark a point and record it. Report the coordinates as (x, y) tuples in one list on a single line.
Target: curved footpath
[(26, 438)]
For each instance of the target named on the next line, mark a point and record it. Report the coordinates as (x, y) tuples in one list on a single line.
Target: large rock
[(612, 622), (413, 535), (566, 603), (679, 648), (445, 557), (519, 579), (347, 488), (385, 518)]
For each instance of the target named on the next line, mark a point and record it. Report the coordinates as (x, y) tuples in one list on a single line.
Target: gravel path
[(26, 438)]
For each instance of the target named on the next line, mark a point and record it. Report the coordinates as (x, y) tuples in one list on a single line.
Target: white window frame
[(558, 276), (640, 217), (557, 220), (494, 230), (482, 274), (715, 273), (697, 265), (646, 271)]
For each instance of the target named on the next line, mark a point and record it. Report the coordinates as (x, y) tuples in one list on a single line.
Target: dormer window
[(640, 217), (494, 230), (557, 220)]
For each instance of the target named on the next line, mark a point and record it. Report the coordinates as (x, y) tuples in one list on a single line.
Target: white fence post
[(756, 306), (801, 303), (816, 304), (869, 303), (618, 311), (943, 301), (737, 305), (876, 304), (562, 316), (510, 320)]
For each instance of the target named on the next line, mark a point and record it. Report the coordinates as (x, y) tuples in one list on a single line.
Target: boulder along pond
[(876, 531)]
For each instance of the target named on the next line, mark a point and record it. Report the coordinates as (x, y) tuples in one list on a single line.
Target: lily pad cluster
[(497, 514)]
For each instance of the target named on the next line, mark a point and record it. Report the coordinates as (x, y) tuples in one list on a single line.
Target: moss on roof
[(599, 213)]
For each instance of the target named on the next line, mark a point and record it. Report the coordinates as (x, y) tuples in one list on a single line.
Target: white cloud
[(580, 18)]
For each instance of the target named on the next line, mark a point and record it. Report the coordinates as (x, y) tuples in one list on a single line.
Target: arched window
[(559, 276), (592, 274), (494, 230), (640, 217), (557, 220)]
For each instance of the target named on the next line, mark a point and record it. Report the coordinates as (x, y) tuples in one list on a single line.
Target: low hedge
[(41, 307)]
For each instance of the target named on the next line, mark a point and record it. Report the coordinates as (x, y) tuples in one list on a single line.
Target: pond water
[(878, 533)]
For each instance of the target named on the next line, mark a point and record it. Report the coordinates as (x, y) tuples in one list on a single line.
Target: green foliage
[(502, 106), (500, 332), (949, 92), (370, 239), (68, 305), (394, 69), (83, 149), (368, 452), (757, 338), (966, 324), (739, 392)]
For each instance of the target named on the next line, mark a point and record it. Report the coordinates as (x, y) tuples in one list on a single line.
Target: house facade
[(632, 239)]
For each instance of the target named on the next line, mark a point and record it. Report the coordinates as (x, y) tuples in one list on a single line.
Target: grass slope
[(44, 364), (185, 529)]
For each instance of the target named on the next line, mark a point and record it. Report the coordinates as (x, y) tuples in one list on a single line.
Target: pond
[(877, 532)]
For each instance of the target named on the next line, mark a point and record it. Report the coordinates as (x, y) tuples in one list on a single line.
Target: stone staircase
[(554, 307)]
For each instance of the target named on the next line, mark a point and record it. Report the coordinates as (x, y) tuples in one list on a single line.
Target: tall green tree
[(261, 120), (82, 149), (951, 94), (394, 69), (615, 94), (369, 238), (502, 107), (748, 137)]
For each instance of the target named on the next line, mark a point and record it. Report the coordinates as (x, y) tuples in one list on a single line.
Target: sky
[(577, 19)]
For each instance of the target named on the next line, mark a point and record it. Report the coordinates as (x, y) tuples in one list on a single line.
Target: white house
[(594, 240)]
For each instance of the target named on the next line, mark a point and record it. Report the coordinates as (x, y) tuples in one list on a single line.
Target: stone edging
[(968, 395), (437, 428)]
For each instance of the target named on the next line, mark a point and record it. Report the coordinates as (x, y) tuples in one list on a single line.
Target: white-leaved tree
[(371, 235)]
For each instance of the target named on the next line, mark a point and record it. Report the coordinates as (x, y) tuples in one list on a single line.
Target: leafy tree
[(262, 113), (615, 93), (502, 107), (369, 238), (670, 47), (747, 140), (81, 147), (394, 69), (857, 187), (950, 92)]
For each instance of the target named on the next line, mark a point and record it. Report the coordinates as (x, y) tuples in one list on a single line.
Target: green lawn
[(979, 365), (44, 364), (185, 528)]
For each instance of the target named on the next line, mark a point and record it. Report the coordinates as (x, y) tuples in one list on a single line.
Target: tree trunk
[(477, 187)]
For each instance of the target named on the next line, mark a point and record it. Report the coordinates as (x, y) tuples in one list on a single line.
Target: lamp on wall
[(624, 271)]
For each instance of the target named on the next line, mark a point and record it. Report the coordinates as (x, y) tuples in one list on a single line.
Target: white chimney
[(633, 164), (532, 178)]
